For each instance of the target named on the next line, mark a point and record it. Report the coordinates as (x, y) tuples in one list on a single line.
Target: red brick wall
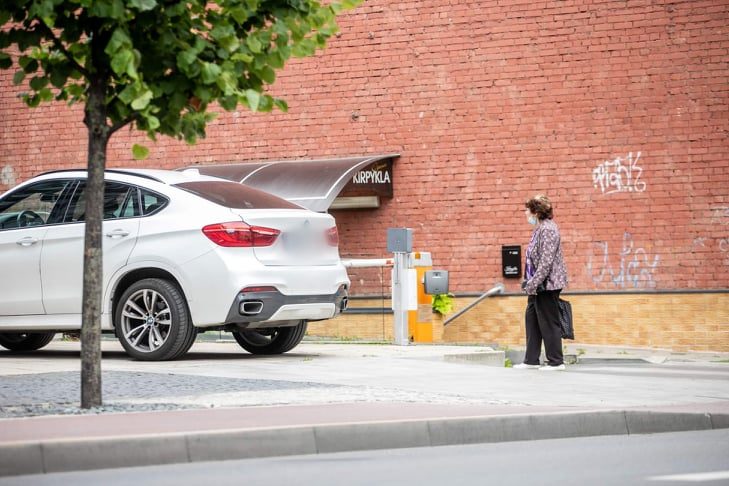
[(488, 103)]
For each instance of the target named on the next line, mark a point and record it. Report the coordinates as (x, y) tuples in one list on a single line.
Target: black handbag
[(565, 319)]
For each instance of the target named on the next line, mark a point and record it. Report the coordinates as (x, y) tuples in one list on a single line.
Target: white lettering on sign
[(371, 176), (376, 175)]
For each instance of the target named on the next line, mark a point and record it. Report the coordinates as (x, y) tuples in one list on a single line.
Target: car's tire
[(275, 340), (152, 321), (25, 341), (187, 344)]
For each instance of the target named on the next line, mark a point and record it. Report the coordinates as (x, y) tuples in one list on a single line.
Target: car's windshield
[(234, 195)]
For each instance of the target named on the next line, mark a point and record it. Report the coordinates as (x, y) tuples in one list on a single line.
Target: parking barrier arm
[(367, 262)]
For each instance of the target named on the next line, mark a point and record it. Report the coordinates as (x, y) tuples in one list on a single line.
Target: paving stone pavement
[(45, 392), (218, 375), (222, 375), (59, 392)]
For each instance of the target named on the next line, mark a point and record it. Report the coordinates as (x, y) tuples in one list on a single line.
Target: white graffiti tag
[(720, 214), (619, 175), (636, 267), (7, 176)]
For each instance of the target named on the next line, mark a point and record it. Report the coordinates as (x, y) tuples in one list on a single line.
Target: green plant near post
[(443, 303)]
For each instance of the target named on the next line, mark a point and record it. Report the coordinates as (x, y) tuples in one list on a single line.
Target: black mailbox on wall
[(511, 261)]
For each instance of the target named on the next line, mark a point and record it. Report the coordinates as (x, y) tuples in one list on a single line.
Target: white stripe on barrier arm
[(693, 477), (367, 262)]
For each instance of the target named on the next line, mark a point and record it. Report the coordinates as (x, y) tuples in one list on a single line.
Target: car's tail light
[(239, 234), (261, 288), (333, 236)]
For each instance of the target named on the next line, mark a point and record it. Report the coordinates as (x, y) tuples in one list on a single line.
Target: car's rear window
[(234, 195)]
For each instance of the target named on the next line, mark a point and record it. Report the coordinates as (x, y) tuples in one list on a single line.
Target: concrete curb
[(19, 458)]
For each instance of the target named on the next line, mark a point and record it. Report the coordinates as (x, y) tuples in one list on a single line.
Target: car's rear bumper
[(213, 282), (273, 306)]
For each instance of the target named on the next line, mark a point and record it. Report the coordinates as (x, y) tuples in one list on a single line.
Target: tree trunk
[(95, 120)]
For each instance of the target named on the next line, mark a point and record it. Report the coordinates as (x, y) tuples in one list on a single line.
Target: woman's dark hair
[(541, 206)]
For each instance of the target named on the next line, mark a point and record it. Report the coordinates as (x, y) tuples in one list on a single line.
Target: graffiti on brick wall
[(721, 245), (7, 176), (720, 215), (622, 174), (636, 268)]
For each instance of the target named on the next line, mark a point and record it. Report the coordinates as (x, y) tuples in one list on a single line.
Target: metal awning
[(313, 184)]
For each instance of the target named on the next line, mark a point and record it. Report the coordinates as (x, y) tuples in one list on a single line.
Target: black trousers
[(542, 324)]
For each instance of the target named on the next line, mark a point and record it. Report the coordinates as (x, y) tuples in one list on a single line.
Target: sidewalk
[(337, 397)]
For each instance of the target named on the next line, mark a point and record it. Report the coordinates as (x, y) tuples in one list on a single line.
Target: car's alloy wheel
[(275, 340), (152, 321), (30, 341)]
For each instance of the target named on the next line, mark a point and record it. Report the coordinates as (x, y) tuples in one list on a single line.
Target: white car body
[(42, 265)]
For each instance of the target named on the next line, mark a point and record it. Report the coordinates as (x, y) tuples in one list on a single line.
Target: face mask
[(532, 219)]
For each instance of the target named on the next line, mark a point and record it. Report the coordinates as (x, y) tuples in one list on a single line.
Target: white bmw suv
[(183, 253)]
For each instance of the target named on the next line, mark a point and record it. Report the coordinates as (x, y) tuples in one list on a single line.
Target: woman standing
[(546, 276)]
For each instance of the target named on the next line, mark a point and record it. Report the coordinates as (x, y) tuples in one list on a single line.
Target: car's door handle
[(117, 233), (27, 241)]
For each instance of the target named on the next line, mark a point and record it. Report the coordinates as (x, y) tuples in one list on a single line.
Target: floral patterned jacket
[(546, 257)]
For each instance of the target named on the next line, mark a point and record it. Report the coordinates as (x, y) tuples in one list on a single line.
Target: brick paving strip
[(67, 443)]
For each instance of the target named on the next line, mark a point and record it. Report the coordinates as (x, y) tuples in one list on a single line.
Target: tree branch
[(122, 124), (59, 45)]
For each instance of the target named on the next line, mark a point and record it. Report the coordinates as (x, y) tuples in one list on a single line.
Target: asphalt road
[(672, 459)]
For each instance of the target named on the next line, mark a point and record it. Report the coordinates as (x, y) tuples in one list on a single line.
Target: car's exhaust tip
[(251, 307)]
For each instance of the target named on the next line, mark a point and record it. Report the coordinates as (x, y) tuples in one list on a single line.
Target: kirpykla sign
[(374, 180)]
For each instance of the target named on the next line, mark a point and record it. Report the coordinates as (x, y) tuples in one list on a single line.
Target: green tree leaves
[(210, 72), (140, 152), (253, 99), (109, 9), (124, 58), (143, 5), (254, 45), (142, 101), (38, 82), (163, 64), (5, 61), (122, 63)]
